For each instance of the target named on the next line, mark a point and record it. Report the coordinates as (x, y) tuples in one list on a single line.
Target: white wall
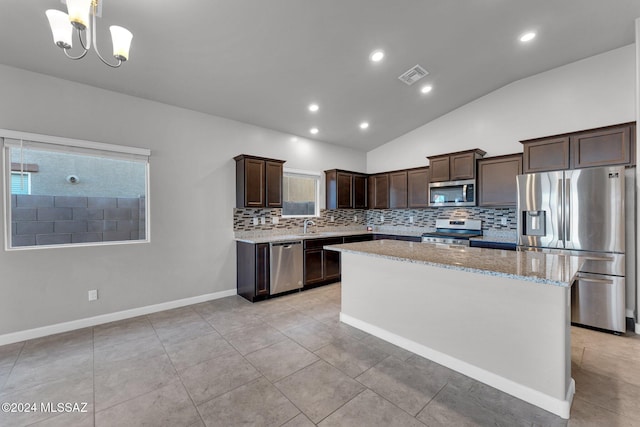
[(596, 91), (192, 251)]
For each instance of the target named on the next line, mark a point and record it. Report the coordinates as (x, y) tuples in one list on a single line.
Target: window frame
[(312, 174), (73, 146)]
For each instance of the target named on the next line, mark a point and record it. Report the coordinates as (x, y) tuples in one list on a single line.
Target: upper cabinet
[(497, 180), (603, 147), (454, 166), (398, 189), (258, 182), (611, 145), (345, 190), (379, 191), (418, 188)]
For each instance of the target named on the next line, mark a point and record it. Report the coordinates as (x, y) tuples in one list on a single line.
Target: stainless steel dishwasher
[(286, 266)]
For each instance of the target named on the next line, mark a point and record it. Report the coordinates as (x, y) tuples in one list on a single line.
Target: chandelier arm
[(95, 44), (75, 58)]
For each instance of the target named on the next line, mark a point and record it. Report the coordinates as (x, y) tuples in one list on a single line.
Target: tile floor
[(285, 362)]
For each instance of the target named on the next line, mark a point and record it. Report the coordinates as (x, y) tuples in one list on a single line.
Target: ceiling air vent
[(413, 74)]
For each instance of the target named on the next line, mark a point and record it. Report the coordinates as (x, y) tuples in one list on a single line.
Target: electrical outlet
[(331, 218), (503, 221), (410, 220), (275, 220), (93, 295), (381, 218), (355, 218), (255, 221), (263, 220)]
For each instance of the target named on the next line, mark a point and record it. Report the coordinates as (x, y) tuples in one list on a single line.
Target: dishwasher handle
[(287, 245)]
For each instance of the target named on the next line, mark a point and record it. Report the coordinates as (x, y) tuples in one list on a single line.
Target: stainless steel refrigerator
[(581, 212)]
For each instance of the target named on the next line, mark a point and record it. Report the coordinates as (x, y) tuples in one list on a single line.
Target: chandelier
[(79, 12)]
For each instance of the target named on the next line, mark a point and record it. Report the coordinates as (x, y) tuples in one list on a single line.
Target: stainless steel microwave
[(453, 193)]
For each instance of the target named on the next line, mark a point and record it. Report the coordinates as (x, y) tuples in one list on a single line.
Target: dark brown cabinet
[(258, 182), (253, 273), (497, 180), (320, 266), (545, 154), (398, 189), (605, 146), (379, 191), (345, 190), (418, 188), (454, 166)]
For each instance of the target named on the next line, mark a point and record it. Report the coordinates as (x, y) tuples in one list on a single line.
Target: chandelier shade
[(61, 28), (82, 17)]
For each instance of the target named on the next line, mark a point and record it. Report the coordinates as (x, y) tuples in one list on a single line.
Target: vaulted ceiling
[(264, 61)]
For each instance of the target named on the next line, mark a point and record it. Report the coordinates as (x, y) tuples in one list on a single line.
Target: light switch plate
[(410, 220), (255, 221), (263, 220), (275, 220), (355, 218), (503, 221)]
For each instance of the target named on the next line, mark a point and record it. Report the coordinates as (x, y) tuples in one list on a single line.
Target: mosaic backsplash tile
[(400, 220)]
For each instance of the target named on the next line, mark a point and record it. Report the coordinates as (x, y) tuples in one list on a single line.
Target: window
[(20, 182), (64, 192), (300, 193)]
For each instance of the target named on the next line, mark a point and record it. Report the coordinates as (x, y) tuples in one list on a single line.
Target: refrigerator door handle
[(567, 210), (591, 279), (560, 219)]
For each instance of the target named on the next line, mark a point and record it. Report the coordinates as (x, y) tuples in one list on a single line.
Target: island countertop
[(540, 267)]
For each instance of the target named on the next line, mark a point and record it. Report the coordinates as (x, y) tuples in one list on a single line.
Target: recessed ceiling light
[(314, 131), (527, 37), (426, 89), (376, 55), (364, 125), (314, 107)]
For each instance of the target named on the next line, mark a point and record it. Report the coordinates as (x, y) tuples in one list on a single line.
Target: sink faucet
[(307, 222)]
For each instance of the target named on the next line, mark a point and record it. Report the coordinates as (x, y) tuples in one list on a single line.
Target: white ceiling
[(263, 61)]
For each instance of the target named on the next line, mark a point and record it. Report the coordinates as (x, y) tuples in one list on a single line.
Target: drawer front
[(319, 243), (598, 301)]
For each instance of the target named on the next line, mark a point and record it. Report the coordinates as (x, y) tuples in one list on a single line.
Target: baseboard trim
[(556, 406), (109, 317), (638, 328)]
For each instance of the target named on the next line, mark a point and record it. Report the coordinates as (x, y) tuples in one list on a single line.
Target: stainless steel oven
[(453, 193)]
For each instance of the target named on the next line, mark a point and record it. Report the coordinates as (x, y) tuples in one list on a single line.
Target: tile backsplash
[(357, 219)]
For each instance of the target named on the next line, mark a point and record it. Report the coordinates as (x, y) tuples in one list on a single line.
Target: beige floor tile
[(350, 356), (281, 359), (184, 354)]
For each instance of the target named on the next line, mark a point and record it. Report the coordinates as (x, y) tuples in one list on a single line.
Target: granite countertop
[(545, 268), (317, 235), (496, 239)]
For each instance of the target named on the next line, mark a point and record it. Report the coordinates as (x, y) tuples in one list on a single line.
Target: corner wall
[(192, 197), (593, 92)]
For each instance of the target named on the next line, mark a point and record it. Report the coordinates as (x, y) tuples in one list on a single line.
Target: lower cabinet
[(253, 270), (321, 267)]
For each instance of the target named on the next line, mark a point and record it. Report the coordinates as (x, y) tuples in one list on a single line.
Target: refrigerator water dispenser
[(534, 223)]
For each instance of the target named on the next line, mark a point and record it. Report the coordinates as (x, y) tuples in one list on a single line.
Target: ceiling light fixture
[(376, 55), (426, 89), (62, 26), (364, 125), (314, 131), (527, 37), (314, 107)]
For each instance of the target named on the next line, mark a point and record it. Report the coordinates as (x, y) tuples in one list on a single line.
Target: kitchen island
[(501, 317)]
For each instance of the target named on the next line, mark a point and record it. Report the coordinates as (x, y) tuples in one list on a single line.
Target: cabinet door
[(313, 266), (381, 191), (497, 180), (345, 186), (462, 166), (360, 191), (439, 167), (418, 188), (371, 192), (273, 184), (601, 148), (331, 261), (398, 190), (254, 183), (546, 155), (262, 269)]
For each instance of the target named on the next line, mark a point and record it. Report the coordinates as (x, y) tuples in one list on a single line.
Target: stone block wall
[(55, 220)]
